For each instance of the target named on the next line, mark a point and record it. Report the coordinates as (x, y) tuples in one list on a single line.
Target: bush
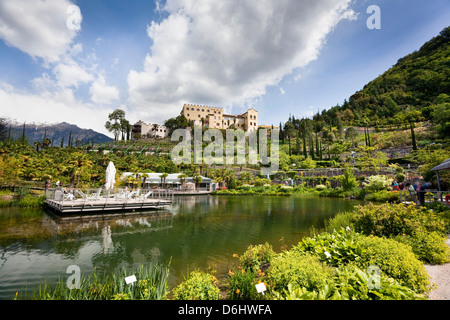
[(428, 247), (336, 248), (352, 284), (340, 221), (400, 177), (299, 270), (241, 285), (377, 183), (320, 187), (396, 260), (198, 286), (30, 201), (383, 196), (348, 180), (395, 219), (254, 256)]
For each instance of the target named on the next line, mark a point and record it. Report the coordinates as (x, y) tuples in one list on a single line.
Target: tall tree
[(115, 123)]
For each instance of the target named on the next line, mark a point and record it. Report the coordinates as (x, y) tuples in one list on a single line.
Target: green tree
[(348, 180), (163, 177), (116, 123), (411, 118), (441, 119)]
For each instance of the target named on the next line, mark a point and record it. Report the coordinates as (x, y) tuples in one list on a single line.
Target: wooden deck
[(108, 202)]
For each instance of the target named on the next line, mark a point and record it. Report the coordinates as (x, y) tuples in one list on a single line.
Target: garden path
[(440, 275)]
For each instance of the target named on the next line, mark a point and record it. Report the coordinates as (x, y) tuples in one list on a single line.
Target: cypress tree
[(23, 134)]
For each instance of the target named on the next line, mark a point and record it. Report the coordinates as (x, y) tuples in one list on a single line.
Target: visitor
[(420, 194), (412, 192), (396, 188)]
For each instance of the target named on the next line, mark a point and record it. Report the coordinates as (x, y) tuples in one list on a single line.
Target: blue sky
[(150, 57)]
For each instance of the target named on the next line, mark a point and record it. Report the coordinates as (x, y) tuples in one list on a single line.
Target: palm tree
[(183, 178), (198, 179), (163, 177), (37, 145)]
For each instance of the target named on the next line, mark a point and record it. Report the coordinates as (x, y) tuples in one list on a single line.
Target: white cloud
[(226, 53), (39, 27), (71, 74), (101, 93)]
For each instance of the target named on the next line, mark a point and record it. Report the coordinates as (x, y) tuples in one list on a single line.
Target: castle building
[(214, 118), (149, 130)]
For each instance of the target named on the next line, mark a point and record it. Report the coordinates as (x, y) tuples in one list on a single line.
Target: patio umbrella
[(110, 176)]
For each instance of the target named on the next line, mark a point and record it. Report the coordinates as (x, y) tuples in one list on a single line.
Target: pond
[(195, 232)]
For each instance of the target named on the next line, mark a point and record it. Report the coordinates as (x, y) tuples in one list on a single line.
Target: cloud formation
[(46, 31), (39, 27), (227, 53)]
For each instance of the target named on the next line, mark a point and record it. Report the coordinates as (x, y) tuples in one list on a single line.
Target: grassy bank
[(151, 284), (266, 190), (22, 198)]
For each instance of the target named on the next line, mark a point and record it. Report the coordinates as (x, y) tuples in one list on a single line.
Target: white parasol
[(110, 176)]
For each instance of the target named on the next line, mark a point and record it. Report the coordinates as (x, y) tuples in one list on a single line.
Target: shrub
[(336, 248), (378, 182), (340, 221), (199, 286), (352, 284), (241, 285), (396, 260), (299, 270), (348, 180), (254, 256), (30, 201), (383, 196), (427, 246), (400, 177), (320, 187), (395, 219)]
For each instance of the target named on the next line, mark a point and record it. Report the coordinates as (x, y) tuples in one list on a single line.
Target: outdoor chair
[(145, 196), (95, 196), (69, 197), (81, 193)]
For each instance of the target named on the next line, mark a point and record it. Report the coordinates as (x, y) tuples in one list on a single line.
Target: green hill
[(418, 82)]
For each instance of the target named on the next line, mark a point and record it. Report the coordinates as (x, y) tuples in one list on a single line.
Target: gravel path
[(440, 275)]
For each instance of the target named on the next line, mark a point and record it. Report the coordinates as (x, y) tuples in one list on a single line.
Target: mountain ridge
[(58, 133)]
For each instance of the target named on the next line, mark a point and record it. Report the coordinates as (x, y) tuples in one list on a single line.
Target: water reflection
[(107, 240), (88, 226)]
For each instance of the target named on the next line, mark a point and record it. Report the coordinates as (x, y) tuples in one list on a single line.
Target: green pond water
[(194, 232)]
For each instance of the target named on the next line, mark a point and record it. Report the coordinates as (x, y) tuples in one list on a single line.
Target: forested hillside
[(417, 86)]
